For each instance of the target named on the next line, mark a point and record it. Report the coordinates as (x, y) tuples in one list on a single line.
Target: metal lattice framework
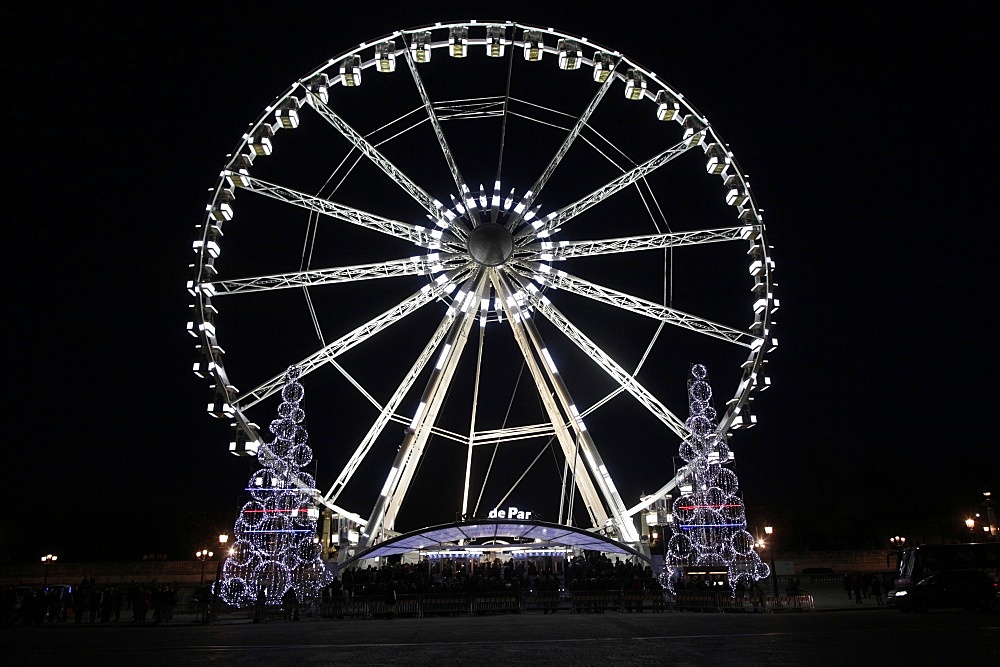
[(618, 188)]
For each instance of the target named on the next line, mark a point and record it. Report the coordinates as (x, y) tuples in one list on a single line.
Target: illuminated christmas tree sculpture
[(275, 535), (709, 521)]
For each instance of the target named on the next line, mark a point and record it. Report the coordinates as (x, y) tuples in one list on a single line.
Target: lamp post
[(897, 542), (970, 523), (203, 555), (47, 560), (991, 517), (223, 540), (663, 543), (769, 531), (216, 590)]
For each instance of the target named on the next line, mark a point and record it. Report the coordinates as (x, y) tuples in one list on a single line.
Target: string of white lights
[(709, 520), (276, 546)]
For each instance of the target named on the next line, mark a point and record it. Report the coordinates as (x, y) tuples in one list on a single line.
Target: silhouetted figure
[(80, 596), (107, 607), (337, 594), (93, 602), (390, 599), (876, 588), (290, 603), (258, 606), (856, 588), (140, 606)]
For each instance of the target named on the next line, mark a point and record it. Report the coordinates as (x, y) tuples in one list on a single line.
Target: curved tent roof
[(547, 533)]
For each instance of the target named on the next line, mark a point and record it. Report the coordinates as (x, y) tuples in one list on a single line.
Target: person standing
[(290, 603), (390, 599), (876, 588), (856, 588), (258, 606)]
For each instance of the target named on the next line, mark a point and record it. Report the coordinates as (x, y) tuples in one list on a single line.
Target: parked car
[(57, 598), (968, 589)]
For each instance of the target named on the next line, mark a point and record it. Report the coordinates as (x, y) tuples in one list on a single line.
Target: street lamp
[(663, 545), (203, 555), (769, 531), (223, 540), (970, 523), (991, 517), (897, 541), (47, 560)]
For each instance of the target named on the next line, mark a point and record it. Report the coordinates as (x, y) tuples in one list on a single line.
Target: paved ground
[(841, 632)]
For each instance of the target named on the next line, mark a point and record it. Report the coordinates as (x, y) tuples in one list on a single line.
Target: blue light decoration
[(275, 535), (709, 520)]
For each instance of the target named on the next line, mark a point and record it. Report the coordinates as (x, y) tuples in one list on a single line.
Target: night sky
[(867, 133)]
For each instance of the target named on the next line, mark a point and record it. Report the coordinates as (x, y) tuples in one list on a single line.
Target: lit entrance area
[(477, 539)]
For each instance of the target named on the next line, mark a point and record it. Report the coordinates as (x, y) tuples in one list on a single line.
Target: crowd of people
[(597, 572), (592, 571), (87, 602), (861, 586)]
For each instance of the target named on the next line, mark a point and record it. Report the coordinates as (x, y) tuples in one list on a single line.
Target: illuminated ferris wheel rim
[(523, 240)]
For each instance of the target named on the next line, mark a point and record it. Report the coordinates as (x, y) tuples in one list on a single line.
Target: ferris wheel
[(492, 250)]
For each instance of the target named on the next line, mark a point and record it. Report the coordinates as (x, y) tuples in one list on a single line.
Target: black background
[(869, 134)]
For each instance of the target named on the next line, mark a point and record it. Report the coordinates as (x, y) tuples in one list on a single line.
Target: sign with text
[(511, 512)]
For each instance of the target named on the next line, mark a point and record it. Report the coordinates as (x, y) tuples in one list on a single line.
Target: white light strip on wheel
[(441, 359), (548, 360), (416, 416), (469, 299), (579, 419), (388, 480)]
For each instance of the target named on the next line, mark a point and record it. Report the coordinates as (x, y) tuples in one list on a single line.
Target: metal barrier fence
[(718, 602), (598, 602), (480, 604), (580, 602)]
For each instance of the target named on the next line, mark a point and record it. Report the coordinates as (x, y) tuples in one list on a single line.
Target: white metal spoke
[(412, 303), (354, 383), (421, 236), (388, 411), (678, 318), (638, 367), (484, 107), (666, 488), (420, 195), (436, 430), (463, 188), (606, 363), (620, 183), (581, 122), (512, 433), (413, 266), (472, 422), (547, 251)]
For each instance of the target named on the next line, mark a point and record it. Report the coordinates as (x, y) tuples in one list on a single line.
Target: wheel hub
[(491, 244)]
